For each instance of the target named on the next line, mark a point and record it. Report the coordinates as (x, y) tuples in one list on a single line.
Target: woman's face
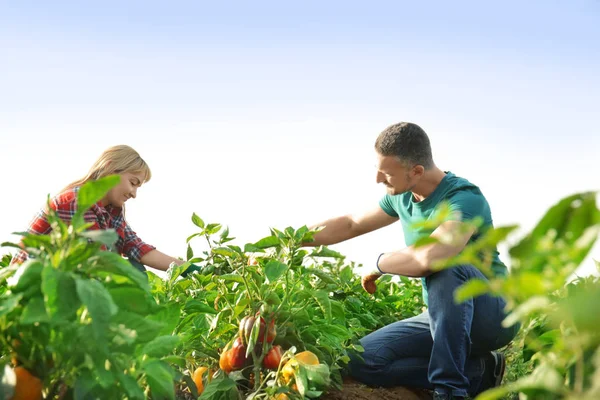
[(125, 190)]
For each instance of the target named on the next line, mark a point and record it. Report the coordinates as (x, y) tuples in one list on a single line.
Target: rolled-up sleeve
[(131, 245)]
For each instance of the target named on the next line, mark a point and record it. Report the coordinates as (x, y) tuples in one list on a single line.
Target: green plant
[(80, 318)]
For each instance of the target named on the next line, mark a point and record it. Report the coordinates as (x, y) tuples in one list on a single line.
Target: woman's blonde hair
[(116, 160)]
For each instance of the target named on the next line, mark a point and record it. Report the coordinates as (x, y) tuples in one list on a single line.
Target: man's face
[(126, 189), (395, 175)]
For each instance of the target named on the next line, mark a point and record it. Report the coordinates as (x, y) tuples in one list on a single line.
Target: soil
[(356, 391)]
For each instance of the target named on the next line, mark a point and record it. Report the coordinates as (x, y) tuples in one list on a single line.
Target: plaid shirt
[(65, 205)]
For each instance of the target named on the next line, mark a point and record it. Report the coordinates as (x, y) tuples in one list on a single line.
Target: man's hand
[(368, 281)]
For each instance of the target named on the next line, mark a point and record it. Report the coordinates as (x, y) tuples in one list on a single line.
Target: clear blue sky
[(260, 114)]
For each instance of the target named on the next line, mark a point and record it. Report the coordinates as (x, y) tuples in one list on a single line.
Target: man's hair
[(408, 142)]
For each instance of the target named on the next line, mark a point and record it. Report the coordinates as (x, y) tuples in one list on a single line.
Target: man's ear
[(418, 170)]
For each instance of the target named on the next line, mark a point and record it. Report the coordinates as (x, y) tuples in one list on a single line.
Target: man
[(447, 348)]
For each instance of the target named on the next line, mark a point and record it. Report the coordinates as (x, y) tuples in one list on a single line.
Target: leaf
[(27, 275), (473, 288), (231, 277), (161, 346), (211, 229), (92, 192), (190, 252), (524, 310), (322, 299), (9, 304), (274, 269), (544, 377), (324, 276), (34, 312), (99, 304), (197, 306), (323, 251), (145, 329), (265, 243), (566, 221), (168, 317), (83, 385), (220, 389), (132, 298), (224, 251), (197, 221), (60, 296), (107, 237), (131, 386), (107, 263), (104, 373), (160, 379)]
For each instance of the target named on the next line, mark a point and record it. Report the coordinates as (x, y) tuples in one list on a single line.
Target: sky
[(264, 114)]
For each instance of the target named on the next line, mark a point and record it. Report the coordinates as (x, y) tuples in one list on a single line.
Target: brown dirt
[(355, 391)]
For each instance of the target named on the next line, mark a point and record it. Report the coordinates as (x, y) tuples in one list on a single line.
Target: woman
[(109, 212)]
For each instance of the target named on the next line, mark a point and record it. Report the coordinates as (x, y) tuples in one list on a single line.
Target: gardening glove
[(191, 269), (368, 280)]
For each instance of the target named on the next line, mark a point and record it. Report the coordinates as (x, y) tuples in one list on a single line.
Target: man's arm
[(412, 261), (346, 227)]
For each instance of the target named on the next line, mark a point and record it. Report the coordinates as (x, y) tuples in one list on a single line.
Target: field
[(273, 319)]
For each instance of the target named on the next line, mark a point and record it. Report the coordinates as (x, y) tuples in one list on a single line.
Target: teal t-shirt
[(460, 194)]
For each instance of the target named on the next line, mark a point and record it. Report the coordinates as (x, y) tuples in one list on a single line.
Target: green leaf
[(224, 251), (103, 373), (197, 306), (168, 317), (324, 276), (265, 243), (9, 304), (99, 304), (323, 251), (107, 263), (27, 275), (160, 380), (190, 252), (34, 312), (60, 296), (211, 229), (544, 377), (107, 237), (92, 192), (322, 299), (161, 346), (565, 221), (534, 304), (275, 269), (145, 329), (220, 389), (197, 221), (231, 277), (473, 288), (132, 298), (133, 389), (83, 385)]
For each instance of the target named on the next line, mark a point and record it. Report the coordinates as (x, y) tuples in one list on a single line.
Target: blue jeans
[(443, 347)]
